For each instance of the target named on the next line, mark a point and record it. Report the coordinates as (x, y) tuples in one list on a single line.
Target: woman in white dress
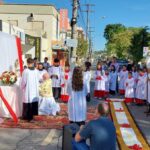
[(77, 106)]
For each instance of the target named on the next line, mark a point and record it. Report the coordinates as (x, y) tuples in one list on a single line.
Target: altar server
[(30, 85), (107, 82), (56, 74), (66, 77), (77, 90), (129, 88), (47, 104), (141, 93), (123, 75), (113, 80), (99, 89), (135, 76), (87, 78), (42, 71)]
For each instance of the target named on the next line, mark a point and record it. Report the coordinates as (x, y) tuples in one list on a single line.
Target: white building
[(36, 20)]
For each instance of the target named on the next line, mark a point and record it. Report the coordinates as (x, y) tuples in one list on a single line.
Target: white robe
[(129, 88), (77, 106), (141, 88), (65, 82), (99, 84), (30, 85), (56, 71), (123, 75), (107, 82), (87, 78), (48, 106), (113, 81), (135, 76)]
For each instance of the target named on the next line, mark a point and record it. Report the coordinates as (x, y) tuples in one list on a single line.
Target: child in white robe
[(56, 74), (77, 106), (141, 88), (129, 88), (47, 104), (113, 80), (123, 75), (135, 76), (64, 85), (107, 82), (99, 89), (87, 78), (29, 86)]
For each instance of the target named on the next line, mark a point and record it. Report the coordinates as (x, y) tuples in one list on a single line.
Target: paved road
[(24, 139)]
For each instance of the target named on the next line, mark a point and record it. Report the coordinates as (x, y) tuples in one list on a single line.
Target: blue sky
[(128, 12)]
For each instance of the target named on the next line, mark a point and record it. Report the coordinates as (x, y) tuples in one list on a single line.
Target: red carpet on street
[(47, 122)]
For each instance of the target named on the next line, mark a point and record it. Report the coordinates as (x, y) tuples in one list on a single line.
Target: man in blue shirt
[(101, 132)]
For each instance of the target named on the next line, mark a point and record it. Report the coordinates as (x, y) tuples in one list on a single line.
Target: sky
[(131, 13)]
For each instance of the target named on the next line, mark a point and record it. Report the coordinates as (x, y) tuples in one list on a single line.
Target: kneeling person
[(47, 104)]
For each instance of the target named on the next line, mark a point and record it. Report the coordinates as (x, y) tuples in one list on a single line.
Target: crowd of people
[(128, 80), (45, 86)]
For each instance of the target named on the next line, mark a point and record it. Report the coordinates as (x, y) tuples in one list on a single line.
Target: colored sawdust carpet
[(128, 134), (47, 122)]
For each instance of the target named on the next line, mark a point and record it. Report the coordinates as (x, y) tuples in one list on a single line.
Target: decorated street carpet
[(46, 122), (128, 135)]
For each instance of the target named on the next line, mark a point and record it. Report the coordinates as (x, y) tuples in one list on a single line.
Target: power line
[(88, 31)]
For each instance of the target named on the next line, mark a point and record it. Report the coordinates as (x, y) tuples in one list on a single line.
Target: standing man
[(101, 132), (30, 87), (56, 74), (46, 64), (114, 63)]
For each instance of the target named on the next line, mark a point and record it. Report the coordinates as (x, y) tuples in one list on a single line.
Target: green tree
[(141, 38), (126, 42), (82, 48), (112, 29)]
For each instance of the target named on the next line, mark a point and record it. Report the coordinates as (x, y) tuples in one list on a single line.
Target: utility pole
[(74, 29), (88, 11), (88, 31), (90, 41)]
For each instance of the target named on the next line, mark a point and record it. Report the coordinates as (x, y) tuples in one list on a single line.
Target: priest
[(30, 85)]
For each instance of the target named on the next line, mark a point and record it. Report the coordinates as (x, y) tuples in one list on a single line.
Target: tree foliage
[(82, 48), (126, 42)]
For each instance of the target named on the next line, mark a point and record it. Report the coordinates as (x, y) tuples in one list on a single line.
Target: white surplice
[(107, 82), (129, 88), (30, 85), (65, 79), (141, 88), (77, 106), (123, 75), (56, 71), (87, 78), (135, 76), (99, 84), (113, 81)]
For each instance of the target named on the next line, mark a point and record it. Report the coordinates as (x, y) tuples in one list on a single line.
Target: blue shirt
[(102, 134)]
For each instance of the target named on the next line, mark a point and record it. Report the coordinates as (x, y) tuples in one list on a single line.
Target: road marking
[(48, 139)]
